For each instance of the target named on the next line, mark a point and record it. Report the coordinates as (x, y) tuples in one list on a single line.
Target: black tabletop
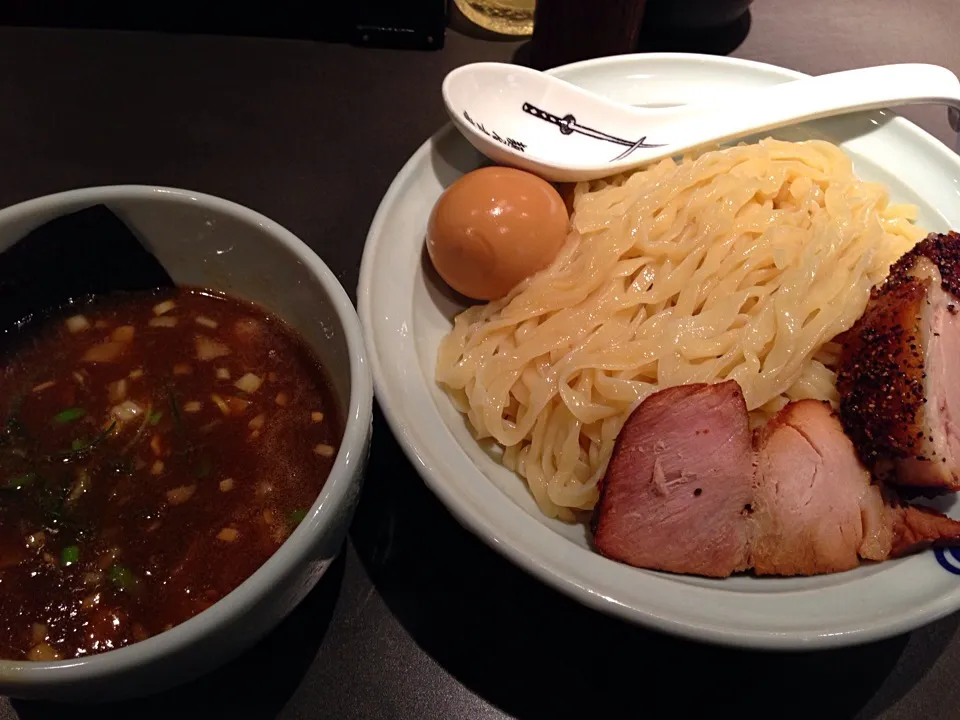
[(418, 619)]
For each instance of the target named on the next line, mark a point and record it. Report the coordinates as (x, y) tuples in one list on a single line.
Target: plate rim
[(550, 571)]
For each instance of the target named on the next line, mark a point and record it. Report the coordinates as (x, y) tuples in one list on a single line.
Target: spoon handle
[(816, 97)]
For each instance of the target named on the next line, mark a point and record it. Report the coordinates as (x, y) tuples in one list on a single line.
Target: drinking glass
[(507, 17)]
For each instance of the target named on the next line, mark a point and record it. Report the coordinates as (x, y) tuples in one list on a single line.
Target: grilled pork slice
[(678, 483), (898, 400), (686, 492), (917, 528), (815, 508)]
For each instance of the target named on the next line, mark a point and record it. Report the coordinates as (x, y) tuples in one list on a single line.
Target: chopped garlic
[(127, 410), (228, 534), (42, 652), (208, 349), (180, 494), (164, 307), (324, 450), (249, 383), (77, 323), (117, 391), (166, 321)]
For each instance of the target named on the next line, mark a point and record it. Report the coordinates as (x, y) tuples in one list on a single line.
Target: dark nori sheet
[(68, 259)]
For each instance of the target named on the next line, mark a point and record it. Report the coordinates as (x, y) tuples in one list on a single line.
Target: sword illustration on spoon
[(568, 124)]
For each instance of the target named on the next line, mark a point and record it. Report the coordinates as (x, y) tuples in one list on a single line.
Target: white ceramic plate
[(405, 311)]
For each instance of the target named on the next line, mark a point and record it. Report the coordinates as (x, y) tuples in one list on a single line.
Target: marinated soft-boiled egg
[(492, 228)]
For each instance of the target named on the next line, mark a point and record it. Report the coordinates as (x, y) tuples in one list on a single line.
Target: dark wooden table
[(418, 619)]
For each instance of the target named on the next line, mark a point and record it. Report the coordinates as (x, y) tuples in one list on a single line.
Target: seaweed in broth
[(79, 255), (156, 449)]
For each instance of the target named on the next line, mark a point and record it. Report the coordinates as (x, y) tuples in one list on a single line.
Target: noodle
[(740, 263)]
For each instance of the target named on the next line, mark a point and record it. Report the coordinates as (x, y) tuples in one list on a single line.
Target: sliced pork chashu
[(900, 403), (677, 489), (800, 503), (816, 509)]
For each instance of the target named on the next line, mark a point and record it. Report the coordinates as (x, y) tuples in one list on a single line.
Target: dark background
[(417, 619), (326, 21)]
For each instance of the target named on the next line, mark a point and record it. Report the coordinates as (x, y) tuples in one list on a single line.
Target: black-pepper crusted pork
[(899, 401)]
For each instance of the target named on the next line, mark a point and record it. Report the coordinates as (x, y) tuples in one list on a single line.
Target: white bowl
[(209, 242), (405, 312)]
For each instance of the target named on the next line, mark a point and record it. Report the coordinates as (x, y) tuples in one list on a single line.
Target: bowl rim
[(337, 491)]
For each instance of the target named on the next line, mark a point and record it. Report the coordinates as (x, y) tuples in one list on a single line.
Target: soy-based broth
[(155, 450)]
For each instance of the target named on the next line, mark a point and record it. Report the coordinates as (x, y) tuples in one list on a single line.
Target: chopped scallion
[(155, 417), (69, 415), (20, 481), (121, 577), (296, 516), (69, 555), (81, 445)]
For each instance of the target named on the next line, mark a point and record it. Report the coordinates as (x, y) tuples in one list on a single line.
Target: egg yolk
[(493, 228)]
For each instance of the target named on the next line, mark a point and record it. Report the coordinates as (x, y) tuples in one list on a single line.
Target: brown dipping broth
[(155, 450)]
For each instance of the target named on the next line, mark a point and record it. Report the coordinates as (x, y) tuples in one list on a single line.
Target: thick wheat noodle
[(740, 263)]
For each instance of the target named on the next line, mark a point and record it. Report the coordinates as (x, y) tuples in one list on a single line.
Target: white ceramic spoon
[(525, 118)]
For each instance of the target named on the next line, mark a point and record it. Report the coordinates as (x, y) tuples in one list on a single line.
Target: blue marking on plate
[(944, 557)]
